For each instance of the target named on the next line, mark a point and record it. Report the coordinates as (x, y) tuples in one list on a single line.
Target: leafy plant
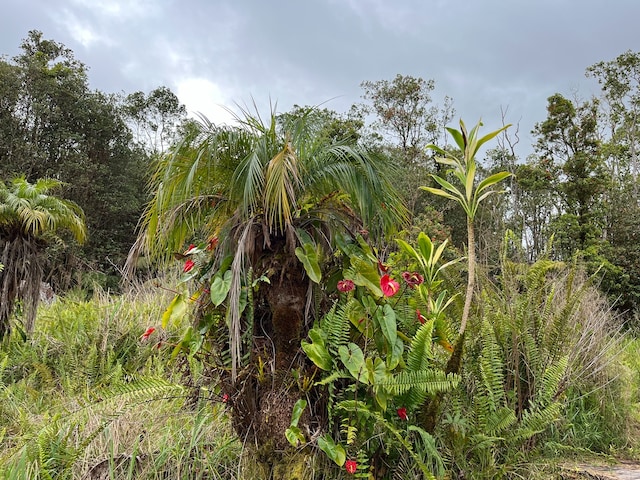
[(379, 363)]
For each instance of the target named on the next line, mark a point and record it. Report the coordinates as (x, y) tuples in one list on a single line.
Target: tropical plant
[(267, 200), (30, 218), (381, 351), (470, 196)]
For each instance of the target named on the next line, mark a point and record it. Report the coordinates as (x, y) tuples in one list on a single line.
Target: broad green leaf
[(377, 370), (294, 436), (458, 137), (487, 137), (448, 186), (491, 180), (308, 255), (396, 354), (298, 408), (388, 325), (358, 317), (408, 249), (176, 310), (353, 358), (220, 287), (334, 451), (366, 275), (317, 352), (426, 247), (381, 397)]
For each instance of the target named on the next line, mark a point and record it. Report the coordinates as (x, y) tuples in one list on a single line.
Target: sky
[(490, 56)]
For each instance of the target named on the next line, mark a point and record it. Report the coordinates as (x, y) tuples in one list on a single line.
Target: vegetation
[(30, 217), (324, 324)]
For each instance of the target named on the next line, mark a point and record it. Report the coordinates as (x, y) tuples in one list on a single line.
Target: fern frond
[(337, 327), (491, 368), (536, 421), (420, 350), (430, 381)]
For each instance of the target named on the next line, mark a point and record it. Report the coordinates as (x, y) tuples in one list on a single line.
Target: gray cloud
[(485, 55)]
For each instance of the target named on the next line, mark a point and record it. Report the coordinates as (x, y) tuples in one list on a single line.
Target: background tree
[(154, 118), (407, 120), (620, 117), (30, 218), (569, 137), (54, 126)]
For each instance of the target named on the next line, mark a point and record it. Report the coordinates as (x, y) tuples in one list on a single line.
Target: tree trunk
[(266, 391), (471, 280)]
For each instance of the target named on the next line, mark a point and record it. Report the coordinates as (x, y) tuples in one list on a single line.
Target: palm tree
[(275, 195), (29, 219)]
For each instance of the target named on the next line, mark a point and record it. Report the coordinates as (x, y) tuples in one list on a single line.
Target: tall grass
[(86, 398)]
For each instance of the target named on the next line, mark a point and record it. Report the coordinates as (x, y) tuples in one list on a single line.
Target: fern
[(420, 351), (336, 326), (429, 381)]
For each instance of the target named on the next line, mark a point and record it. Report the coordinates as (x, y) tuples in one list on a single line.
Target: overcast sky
[(485, 54)]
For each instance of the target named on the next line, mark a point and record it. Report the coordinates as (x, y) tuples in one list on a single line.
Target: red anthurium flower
[(188, 265), (389, 286), (351, 466), (383, 268), (145, 336), (421, 318), (346, 285), (402, 413), (212, 243), (413, 279)]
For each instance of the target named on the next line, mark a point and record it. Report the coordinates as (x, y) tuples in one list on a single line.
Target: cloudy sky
[(487, 55)]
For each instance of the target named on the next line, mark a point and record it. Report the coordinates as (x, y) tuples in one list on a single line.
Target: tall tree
[(30, 218), (275, 197), (53, 126), (620, 81), (408, 120), (154, 118), (569, 137), (620, 102)]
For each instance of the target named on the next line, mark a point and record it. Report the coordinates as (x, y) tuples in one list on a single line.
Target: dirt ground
[(620, 471)]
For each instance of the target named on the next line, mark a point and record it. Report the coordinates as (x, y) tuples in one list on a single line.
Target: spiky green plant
[(469, 195)]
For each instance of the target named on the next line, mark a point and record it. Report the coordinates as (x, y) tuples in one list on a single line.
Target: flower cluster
[(145, 336)]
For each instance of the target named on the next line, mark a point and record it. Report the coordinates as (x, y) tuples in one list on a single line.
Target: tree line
[(574, 197)]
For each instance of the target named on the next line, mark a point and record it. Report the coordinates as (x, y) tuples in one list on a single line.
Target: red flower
[(383, 268), (225, 398), (402, 413), (212, 243), (412, 279), (351, 466), (190, 249), (346, 285), (188, 265), (421, 317), (389, 286), (145, 336)]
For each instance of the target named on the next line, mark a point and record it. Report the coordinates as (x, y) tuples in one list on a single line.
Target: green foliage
[(88, 394), (379, 367), (544, 331), (54, 125), (31, 216)]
